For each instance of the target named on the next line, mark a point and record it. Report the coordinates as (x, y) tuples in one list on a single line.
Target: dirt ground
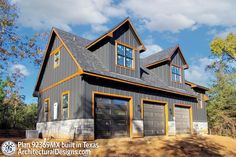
[(172, 146)]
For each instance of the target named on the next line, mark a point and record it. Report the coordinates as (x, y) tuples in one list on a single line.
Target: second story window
[(65, 105), (57, 59), (46, 109), (124, 56), (176, 74)]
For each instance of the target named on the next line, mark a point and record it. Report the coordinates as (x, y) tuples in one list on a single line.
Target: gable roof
[(162, 56), (111, 31), (90, 64)]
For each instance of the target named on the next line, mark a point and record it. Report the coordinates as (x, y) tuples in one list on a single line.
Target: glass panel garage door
[(111, 117)]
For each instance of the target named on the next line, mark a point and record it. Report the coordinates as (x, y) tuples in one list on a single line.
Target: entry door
[(182, 119), (154, 119), (111, 116)]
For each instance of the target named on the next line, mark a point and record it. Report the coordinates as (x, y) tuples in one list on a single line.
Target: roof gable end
[(109, 34)]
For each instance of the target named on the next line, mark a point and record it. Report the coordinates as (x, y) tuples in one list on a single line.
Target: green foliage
[(221, 108), (221, 46)]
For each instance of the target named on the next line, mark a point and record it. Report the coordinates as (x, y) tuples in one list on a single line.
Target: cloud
[(163, 15), (19, 68), (151, 49), (42, 14), (156, 15), (223, 34), (197, 73)]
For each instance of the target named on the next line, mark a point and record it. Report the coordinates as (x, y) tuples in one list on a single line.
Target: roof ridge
[(71, 33)]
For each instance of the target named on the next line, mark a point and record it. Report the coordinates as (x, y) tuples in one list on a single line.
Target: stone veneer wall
[(83, 129), (80, 129)]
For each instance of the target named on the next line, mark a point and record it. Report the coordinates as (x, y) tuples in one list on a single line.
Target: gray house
[(102, 89)]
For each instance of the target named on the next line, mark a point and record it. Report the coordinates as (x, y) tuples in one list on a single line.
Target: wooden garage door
[(182, 119), (154, 119), (112, 118)]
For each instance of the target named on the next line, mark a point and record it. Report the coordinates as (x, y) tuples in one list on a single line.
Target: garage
[(112, 117), (154, 119), (182, 119)]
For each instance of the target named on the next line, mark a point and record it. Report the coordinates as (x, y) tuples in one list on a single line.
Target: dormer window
[(176, 74), (125, 56)]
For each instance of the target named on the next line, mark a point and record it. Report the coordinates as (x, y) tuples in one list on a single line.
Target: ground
[(172, 146)]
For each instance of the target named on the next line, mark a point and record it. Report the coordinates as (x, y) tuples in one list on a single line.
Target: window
[(65, 105), (46, 109), (176, 74), (124, 56), (57, 59)]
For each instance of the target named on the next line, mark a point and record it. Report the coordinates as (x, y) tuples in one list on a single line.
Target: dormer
[(119, 49), (168, 65)]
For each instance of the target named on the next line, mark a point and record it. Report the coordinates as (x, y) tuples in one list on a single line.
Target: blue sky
[(160, 24)]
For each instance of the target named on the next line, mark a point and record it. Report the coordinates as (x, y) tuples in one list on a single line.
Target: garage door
[(154, 119), (112, 117), (182, 119)]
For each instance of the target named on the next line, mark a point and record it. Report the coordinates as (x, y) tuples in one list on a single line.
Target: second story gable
[(169, 65), (119, 49)]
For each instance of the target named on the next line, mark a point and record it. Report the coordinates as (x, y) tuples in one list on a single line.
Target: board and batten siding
[(66, 68), (75, 87), (125, 35), (138, 93), (106, 52)]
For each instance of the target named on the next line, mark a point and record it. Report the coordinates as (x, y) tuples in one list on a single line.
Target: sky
[(192, 24)]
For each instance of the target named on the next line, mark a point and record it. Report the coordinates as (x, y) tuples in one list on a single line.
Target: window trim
[(68, 115), (133, 55), (181, 75), (56, 65), (46, 99)]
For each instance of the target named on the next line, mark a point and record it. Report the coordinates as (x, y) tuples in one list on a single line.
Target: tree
[(222, 107), (14, 49)]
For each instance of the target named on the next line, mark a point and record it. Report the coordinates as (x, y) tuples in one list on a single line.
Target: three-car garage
[(113, 114)]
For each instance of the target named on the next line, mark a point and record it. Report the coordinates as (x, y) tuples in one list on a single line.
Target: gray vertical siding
[(138, 93), (66, 68), (75, 86), (125, 35), (106, 52)]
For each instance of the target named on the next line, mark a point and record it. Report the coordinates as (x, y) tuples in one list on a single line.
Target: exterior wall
[(177, 60), (163, 72), (106, 52), (79, 129), (138, 93), (66, 68), (75, 86)]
